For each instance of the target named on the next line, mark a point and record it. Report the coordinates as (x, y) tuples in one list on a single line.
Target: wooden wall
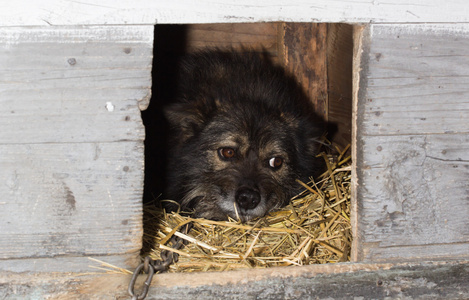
[(318, 55), (71, 140), (412, 142), (71, 145)]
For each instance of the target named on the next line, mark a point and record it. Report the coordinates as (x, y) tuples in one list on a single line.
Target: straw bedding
[(313, 229)]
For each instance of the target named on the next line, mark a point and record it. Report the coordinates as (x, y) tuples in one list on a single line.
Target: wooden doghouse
[(75, 76)]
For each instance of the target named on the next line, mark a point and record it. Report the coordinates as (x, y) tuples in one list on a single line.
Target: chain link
[(150, 266)]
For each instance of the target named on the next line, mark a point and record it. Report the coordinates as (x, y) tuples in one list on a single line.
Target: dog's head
[(237, 152)]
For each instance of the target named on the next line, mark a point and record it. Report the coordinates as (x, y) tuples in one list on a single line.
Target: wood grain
[(71, 145), (68, 263), (414, 194), (412, 145), (69, 82), (368, 281), (70, 199), (304, 56), (424, 69), (339, 77), (259, 37), (112, 12)]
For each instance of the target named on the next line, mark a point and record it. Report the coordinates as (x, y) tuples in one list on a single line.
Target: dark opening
[(170, 42), (320, 56), (313, 52)]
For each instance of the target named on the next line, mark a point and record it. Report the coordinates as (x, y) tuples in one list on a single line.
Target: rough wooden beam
[(336, 281)]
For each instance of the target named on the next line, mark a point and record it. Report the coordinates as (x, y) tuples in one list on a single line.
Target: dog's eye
[(275, 162), (226, 153)]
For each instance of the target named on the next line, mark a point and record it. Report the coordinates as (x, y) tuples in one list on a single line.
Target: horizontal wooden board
[(329, 281), (412, 144), (70, 199), (261, 37), (418, 80), (75, 84), (56, 12), (418, 253), (415, 190), (68, 263), (360, 281)]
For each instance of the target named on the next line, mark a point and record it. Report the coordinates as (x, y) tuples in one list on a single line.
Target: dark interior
[(332, 50)]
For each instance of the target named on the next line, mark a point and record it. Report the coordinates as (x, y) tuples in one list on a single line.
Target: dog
[(242, 132)]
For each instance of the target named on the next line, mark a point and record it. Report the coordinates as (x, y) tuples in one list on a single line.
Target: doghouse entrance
[(318, 55)]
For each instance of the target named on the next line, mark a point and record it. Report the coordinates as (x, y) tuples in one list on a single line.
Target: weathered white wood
[(57, 12), (412, 143), (413, 194), (68, 263), (71, 81), (419, 81), (71, 145), (327, 281), (70, 199)]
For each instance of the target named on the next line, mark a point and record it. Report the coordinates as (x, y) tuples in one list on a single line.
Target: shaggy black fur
[(242, 132)]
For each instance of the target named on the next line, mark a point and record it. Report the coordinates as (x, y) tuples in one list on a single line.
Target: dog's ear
[(185, 119)]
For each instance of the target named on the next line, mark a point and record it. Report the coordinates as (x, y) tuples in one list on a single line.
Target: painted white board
[(60, 12)]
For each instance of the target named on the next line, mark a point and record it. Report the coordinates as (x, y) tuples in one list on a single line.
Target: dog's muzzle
[(247, 198)]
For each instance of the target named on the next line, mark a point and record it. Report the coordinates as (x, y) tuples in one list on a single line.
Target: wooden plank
[(57, 12), (424, 69), (413, 194), (68, 263), (260, 37), (331, 281), (410, 184), (77, 84), (70, 199), (71, 145), (304, 52), (445, 281), (339, 80)]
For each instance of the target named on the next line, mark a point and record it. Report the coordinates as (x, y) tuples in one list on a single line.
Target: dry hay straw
[(313, 229)]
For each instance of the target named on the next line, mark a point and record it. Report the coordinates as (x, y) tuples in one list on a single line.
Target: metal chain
[(150, 266)]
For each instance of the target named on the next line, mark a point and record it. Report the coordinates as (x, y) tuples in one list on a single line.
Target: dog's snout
[(247, 198)]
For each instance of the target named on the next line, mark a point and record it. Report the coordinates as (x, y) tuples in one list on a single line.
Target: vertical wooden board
[(411, 188), (304, 55), (77, 84), (70, 199), (339, 80)]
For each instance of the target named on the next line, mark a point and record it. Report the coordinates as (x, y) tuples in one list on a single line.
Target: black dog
[(242, 133)]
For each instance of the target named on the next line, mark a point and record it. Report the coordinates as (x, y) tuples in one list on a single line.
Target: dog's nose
[(247, 198)]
